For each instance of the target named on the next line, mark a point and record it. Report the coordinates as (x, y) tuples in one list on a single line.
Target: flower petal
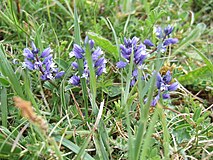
[(121, 64)]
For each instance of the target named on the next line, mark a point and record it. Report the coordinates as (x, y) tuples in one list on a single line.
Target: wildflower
[(74, 80), (164, 85), (159, 32), (43, 63), (148, 42), (132, 46), (162, 34), (170, 41), (99, 62), (168, 30), (121, 64), (77, 52)]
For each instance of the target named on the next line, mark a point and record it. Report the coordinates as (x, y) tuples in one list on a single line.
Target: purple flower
[(155, 100), (132, 83), (100, 70), (174, 86), (34, 49), (43, 63), (28, 64), (99, 62), (148, 42), (91, 42), (43, 77), (164, 86), (130, 47), (121, 64), (159, 32), (75, 80), (38, 65), (59, 74), (167, 78), (135, 73), (46, 59), (46, 52), (77, 51), (158, 81), (96, 54), (166, 96), (74, 65), (28, 54), (168, 30), (170, 41)]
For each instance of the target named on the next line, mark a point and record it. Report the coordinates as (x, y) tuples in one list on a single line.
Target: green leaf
[(148, 136), (191, 77), (112, 91), (4, 82), (72, 147), (7, 70), (192, 36), (205, 59), (3, 106), (62, 63), (197, 114), (105, 44)]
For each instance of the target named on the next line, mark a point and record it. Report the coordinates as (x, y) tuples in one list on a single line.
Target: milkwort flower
[(132, 46), (164, 86), (162, 34), (43, 62), (99, 62)]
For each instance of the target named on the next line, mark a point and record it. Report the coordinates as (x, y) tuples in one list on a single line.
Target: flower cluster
[(129, 47), (43, 62), (162, 34), (99, 62), (132, 46), (164, 86)]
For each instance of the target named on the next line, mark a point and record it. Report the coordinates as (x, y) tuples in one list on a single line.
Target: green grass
[(105, 118)]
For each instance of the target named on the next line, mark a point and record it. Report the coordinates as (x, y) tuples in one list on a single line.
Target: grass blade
[(7, 71), (166, 137), (205, 59), (80, 61), (193, 35), (148, 137), (3, 106)]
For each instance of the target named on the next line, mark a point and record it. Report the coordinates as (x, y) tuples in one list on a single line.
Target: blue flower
[(28, 64), (46, 52), (168, 30), (130, 47), (155, 100), (74, 80), (159, 32), (28, 54), (77, 52), (173, 86), (74, 65), (164, 85), (43, 63), (163, 34), (121, 64), (99, 62), (35, 50), (170, 41), (148, 42)]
